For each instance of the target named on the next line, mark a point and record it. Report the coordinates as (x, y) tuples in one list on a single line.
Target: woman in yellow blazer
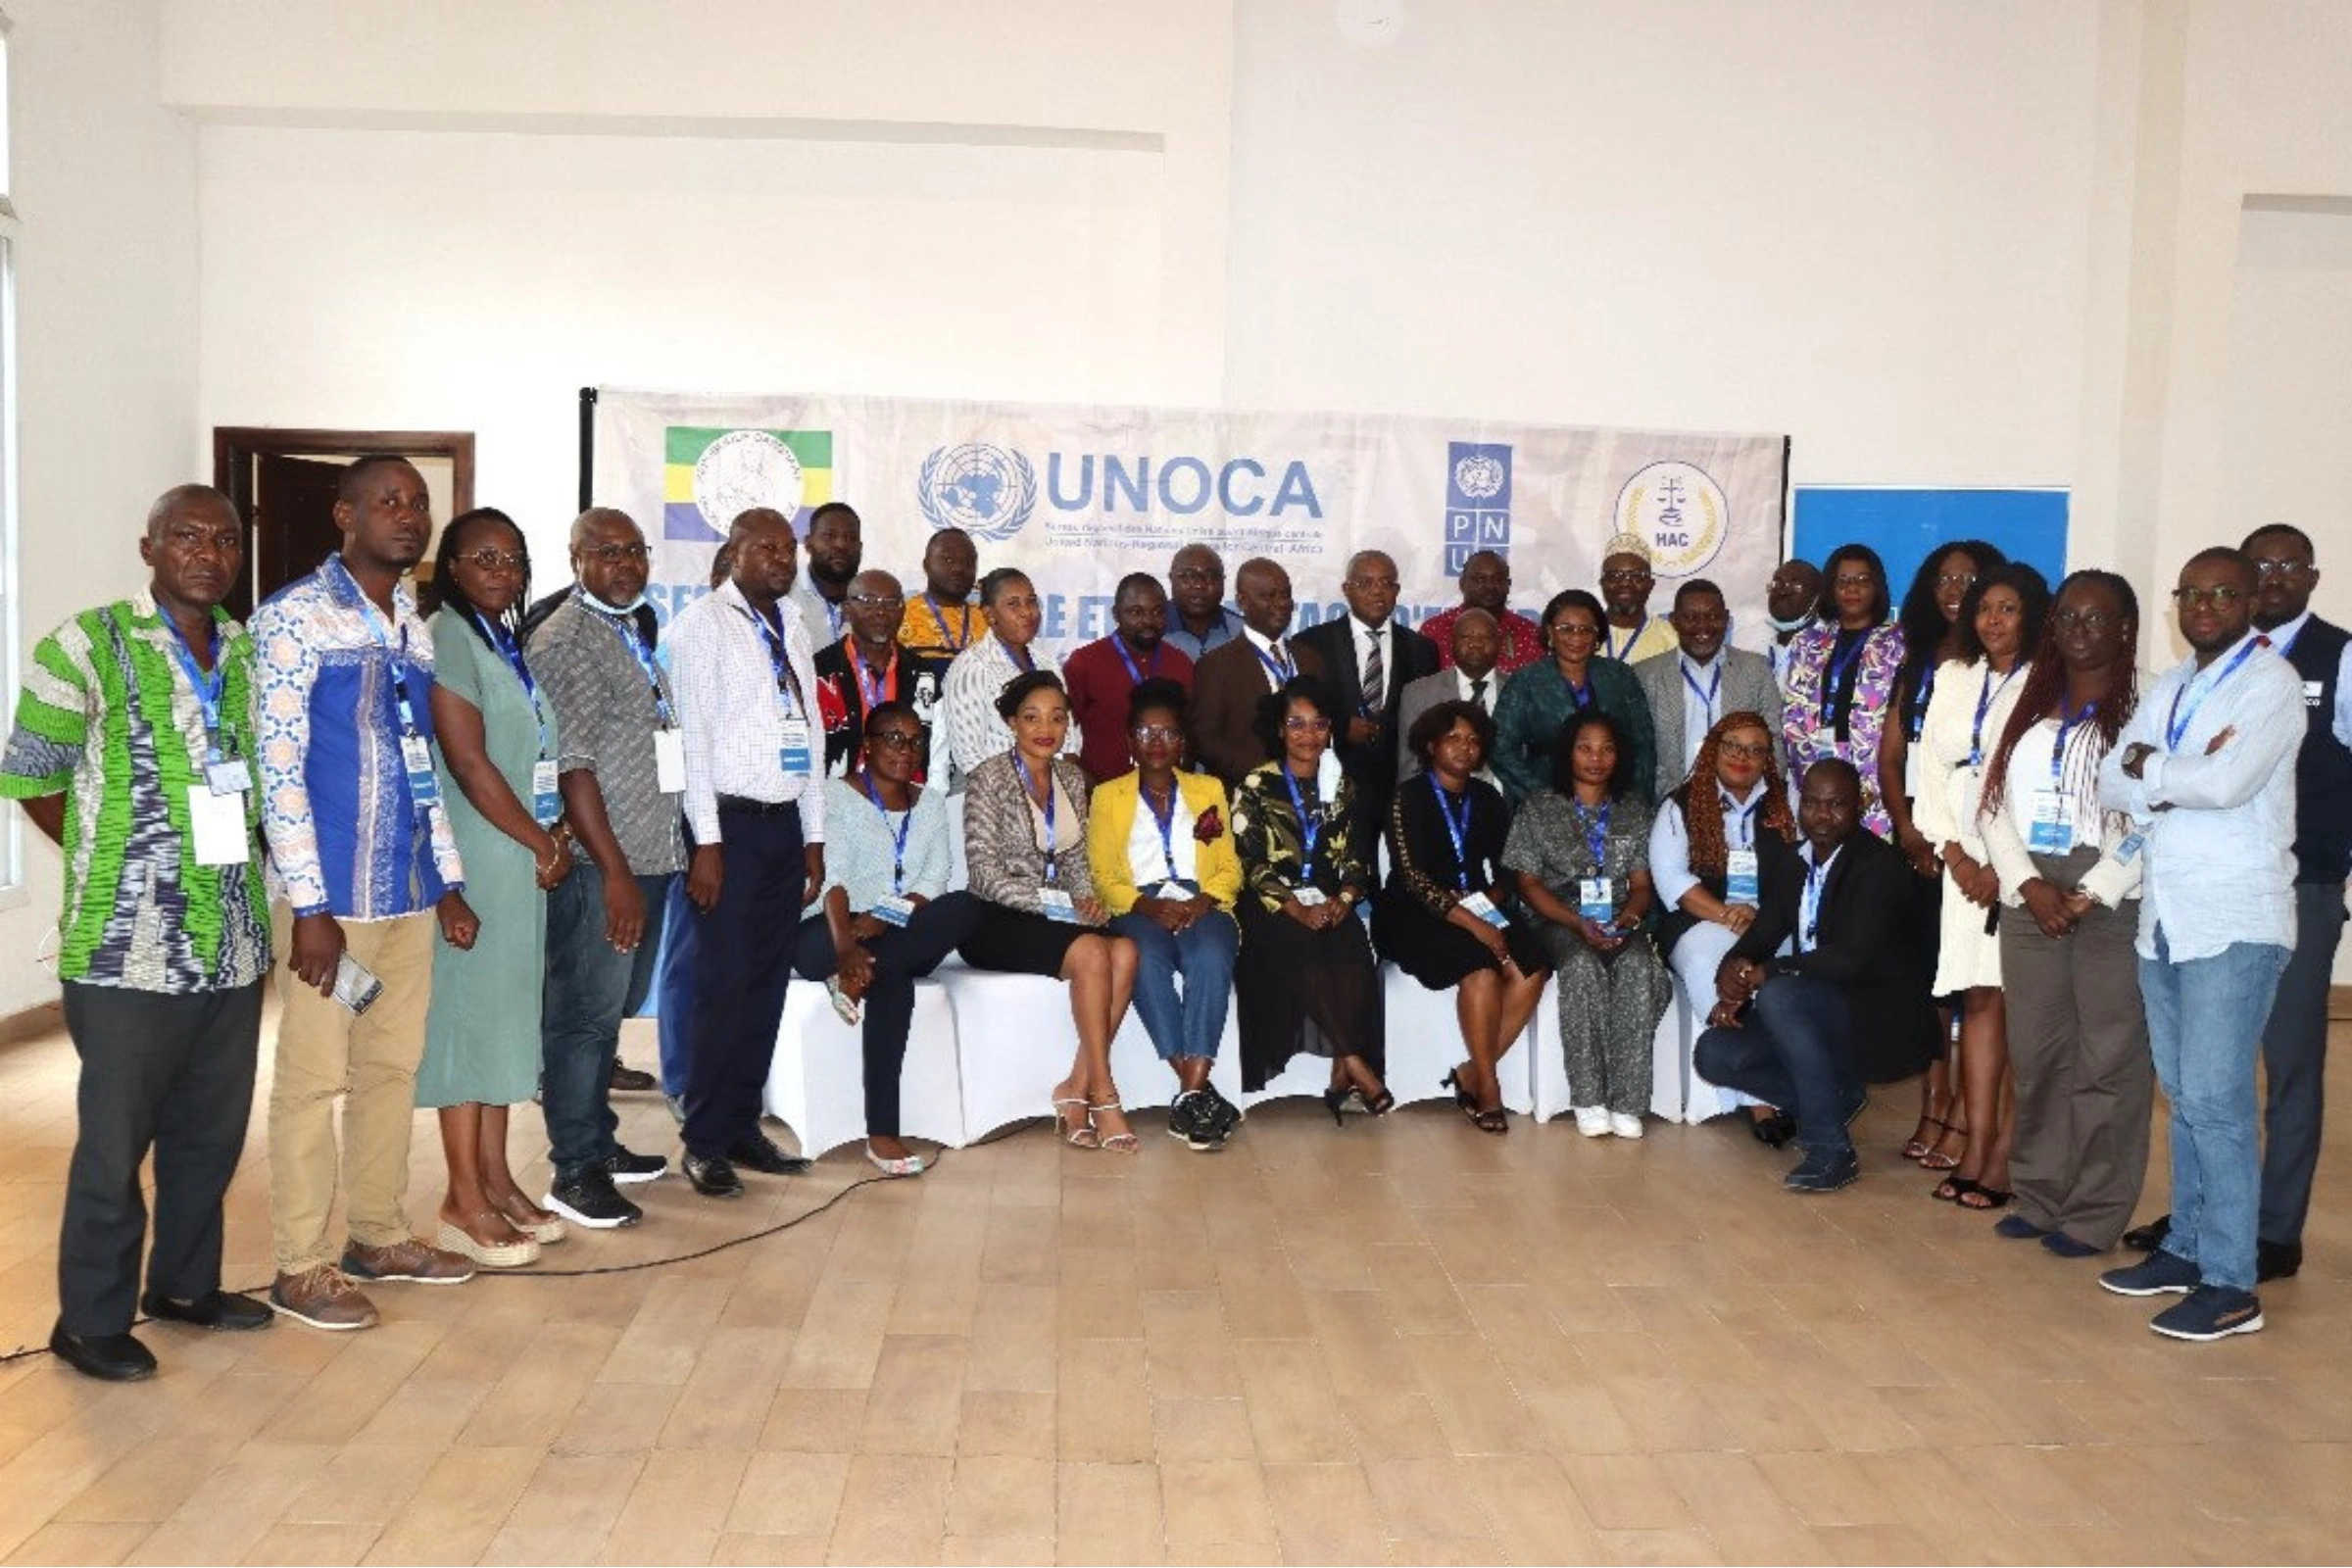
[(1163, 856)]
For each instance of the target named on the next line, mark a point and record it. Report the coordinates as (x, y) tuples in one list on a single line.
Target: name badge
[(895, 909), (1480, 905), (1310, 897), (2129, 850), (793, 754), (1740, 882), (217, 826), (547, 802), (2053, 830), (1173, 892), (1596, 899), (670, 761), (1911, 767), (228, 775), (2315, 692), (1058, 905), (417, 758)]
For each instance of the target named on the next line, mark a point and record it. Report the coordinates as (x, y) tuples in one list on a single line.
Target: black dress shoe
[(2277, 1260), (1773, 1130), (218, 1311), (111, 1358), (2149, 1237), (713, 1178), (627, 1080), (759, 1152)]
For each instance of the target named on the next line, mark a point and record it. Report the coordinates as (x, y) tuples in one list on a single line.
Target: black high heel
[(1462, 1096), (1335, 1100), (1379, 1104)]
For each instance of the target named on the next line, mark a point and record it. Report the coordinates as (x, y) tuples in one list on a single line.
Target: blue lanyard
[(504, 641), (1597, 837), (1118, 645), (1166, 822), (2067, 723), (873, 687), (2178, 724), (1310, 830), (1053, 872), (1746, 816), (1919, 703), (208, 684), (1457, 828), (1608, 644), (1580, 696), (397, 651), (1282, 672), (1714, 687), (1834, 675), (1808, 918), (788, 684), (1023, 659), (1985, 697), (625, 629), (957, 644), (897, 850)]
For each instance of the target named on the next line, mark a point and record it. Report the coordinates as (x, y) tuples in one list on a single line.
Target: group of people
[(1957, 843)]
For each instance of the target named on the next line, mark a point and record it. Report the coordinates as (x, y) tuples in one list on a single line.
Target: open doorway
[(282, 483)]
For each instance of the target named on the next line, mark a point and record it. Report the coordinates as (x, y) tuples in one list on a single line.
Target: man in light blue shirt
[(2206, 770)]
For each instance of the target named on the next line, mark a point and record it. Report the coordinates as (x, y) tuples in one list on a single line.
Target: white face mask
[(1799, 623), (629, 609)]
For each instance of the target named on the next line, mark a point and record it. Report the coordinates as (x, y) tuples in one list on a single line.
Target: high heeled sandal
[(1462, 1096), (1491, 1121), (1379, 1104), (1125, 1143), (1336, 1101), (1935, 1158), (1918, 1149), (1082, 1135), (546, 1231)]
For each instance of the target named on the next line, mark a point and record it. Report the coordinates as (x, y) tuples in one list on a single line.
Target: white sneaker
[(1592, 1121), (1625, 1125)]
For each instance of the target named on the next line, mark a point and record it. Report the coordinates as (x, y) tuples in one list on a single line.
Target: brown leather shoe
[(322, 1298), (409, 1262)]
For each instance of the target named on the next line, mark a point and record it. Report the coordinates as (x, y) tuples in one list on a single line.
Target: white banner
[(1079, 495)]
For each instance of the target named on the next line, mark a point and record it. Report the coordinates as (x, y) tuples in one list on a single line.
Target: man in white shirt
[(1475, 649), (2206, 770), (746, 686), (1692, 686)]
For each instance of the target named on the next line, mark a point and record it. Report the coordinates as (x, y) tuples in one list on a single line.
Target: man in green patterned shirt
[(134, 750)]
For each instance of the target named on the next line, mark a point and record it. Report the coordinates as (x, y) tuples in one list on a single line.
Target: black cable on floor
[(25, 1352)]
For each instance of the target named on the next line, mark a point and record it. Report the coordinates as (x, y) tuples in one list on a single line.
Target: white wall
[(104, 182)]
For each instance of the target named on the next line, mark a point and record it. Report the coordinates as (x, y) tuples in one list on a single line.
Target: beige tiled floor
[(1395, 1341)]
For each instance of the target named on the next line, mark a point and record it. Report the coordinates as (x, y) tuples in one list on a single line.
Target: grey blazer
[(1747, 684), (1418, 698), (1003, 863)]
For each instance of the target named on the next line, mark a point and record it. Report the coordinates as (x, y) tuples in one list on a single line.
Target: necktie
[(1478, 691), (1376, 676)]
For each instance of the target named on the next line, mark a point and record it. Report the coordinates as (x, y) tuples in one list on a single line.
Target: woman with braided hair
[(1707, 851), (2069, 878)]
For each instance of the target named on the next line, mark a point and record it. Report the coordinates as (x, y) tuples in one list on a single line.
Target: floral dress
[(1297, 990), (1841, 687)]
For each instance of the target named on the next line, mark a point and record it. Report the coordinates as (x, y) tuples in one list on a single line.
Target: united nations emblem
[(1480, 477), (1679, 511), (987, 491), (743, 470)]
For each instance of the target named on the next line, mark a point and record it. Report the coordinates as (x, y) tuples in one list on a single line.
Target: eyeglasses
[(1856, 579), (894, 740), (1754, 754), (1196, 574), (2220, 598), (1627, 574), (1306, 724), (613, 555), (1390, 583), (1156, 734), (2087, 619), (488, 560), (2271, 566), (1575, 629), (1962, 580), (890, 601)]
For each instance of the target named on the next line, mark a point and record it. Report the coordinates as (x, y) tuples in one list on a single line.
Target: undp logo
[(1480, 477), (1478, 501), (987, 491)]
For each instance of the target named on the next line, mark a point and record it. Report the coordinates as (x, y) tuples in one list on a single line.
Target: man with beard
[(858, 672), (1471, 679), (942, 621), (134, 714), (835, 544), (1103, 674), (1789, 603), (2206, 772), (1486, 586), (1631, 634), (1201, 621), (361, 842)]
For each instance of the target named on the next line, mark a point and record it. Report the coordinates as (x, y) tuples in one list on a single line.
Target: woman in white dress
[(1999, 626)]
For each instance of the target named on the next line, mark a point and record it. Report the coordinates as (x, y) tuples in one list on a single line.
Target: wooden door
[(293, 519)]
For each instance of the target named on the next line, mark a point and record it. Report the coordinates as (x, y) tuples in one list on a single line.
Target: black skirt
[(1297, 989), (1021, 942), (1438, 953)]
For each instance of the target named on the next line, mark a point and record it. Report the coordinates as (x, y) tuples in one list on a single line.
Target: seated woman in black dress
[(1442, 919), (1306, 979), (1024, 833)]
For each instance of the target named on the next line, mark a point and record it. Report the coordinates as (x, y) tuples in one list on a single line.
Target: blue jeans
[(1189, 1025), (674, 981), (1793, 1051), (2205, 1022), (590, 988)]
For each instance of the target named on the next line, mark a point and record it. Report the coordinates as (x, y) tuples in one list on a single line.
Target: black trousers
[(173, 1073), (2294, 1061), (901, 956), (742, 963)]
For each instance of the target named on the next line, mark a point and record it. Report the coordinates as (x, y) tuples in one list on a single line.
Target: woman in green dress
[(1538, 701), (497, 766)]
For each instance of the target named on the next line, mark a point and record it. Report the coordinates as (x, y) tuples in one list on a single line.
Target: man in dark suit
[(1372, 659), (1804, 1031), (1472, 676), (1232, 677), (870, 666)]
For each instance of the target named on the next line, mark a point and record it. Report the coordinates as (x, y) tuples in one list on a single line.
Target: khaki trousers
[(325, 1053)]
